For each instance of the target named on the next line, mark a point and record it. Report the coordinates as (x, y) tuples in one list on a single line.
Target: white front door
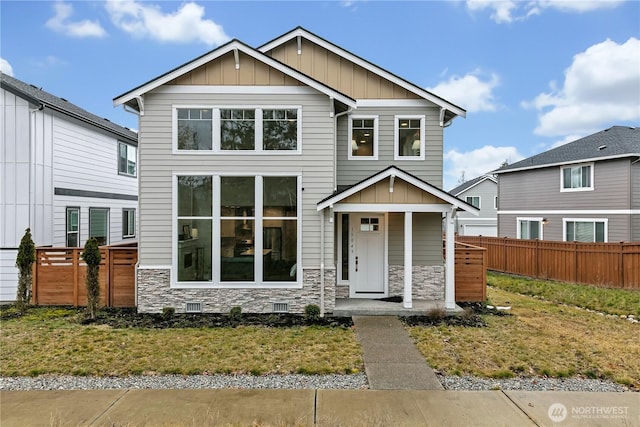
[(367, 266)]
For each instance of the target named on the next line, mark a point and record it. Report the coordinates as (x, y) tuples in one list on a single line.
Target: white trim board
[(574, 212)]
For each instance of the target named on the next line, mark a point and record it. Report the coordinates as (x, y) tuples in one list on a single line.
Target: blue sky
[(531, 74)]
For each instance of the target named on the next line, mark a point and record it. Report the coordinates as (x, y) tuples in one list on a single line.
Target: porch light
[(545, 221)]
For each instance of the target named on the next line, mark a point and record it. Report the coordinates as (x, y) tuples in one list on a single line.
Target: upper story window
[(577, 178), (194, 128), (364, 138), (474, 201), (238, 130), (127, 159), (409, 138)]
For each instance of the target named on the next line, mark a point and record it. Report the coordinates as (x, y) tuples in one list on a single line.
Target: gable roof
[(471, 183), (398, 173), (37, 96), (615, 142), (452, 110), (231, 46)]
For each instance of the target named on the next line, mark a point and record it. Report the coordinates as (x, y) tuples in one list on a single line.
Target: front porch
[(346, 307)]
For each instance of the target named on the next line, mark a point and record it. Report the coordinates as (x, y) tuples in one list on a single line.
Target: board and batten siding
[(430, 169), (337, 72), (158, 165)]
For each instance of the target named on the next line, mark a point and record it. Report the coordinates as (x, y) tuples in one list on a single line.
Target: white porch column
[(450, 272), (408, 260)]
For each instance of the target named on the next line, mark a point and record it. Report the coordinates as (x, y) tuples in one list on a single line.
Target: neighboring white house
[(295, 173), (481, 192), (66, 174)]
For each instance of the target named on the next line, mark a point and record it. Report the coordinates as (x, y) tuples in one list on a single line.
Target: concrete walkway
[(391, 359), (316, 408)]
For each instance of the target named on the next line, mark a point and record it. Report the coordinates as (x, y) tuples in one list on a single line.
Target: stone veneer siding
[(428, 282), (154, 293)]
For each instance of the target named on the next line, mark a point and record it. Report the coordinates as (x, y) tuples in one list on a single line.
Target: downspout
[(32, 166), (322, 263)]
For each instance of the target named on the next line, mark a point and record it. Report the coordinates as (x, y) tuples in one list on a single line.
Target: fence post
[(575, 261), (75, 257), (537, 261), (34, 280), (621, 266)]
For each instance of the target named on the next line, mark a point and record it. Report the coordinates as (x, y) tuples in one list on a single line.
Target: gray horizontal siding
[(540, 189), (427, 239), (487, 190), (430, 169), (158, 164)]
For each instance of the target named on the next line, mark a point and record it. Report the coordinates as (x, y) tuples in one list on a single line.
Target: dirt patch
[(471, 316)]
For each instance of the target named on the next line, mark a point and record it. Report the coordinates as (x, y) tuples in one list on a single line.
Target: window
[(99, 225), (364, 138), (369, 224), (495, 202), (73, 227), (280, 129), (474, 201), (194, 228), (589, 230), (409, 138), (128, 223), (238, 130), (344, 247), (127, 159), (252, 222), (529, 228), (577, 178), (195, 128)]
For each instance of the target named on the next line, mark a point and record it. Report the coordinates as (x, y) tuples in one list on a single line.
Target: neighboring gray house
[(587, 190), (481, 192), (65, 173), (324, 165)]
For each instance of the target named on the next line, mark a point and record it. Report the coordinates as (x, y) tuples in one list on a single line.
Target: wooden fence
[(614, 265), (471, 272), (59, 276)]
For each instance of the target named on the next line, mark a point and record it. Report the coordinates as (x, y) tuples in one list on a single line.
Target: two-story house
[(481, 192), (66, 174), (295, 173), (587, 190)]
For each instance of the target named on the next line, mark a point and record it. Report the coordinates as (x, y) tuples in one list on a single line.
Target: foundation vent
[(280, 307), (194, 307)]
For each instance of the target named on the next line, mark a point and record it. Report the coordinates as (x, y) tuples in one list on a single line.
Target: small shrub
[(311, 312), (91, 255), (168, 312), (235, 314), (24, 261), (438, 313)]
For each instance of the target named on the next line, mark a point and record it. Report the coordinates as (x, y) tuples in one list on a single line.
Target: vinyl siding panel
[(487, 190), (158, 164), (430, 169)]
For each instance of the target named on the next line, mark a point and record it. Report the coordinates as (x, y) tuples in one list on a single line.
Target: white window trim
[(350, 155), (396, 136), (479, 201), (136, 160), (215, 282), (215, 130), (578, 165), (591, 220), (526, 218)]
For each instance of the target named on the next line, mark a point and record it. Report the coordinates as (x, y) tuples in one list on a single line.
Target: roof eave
[(572, 162)]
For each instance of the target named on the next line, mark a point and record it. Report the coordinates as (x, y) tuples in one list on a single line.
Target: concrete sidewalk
[(391, 359), (316, 408)]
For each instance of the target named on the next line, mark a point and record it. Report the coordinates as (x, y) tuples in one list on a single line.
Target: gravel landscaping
[(357, 381)]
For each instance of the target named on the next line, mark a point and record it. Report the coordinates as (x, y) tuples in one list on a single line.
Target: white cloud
[(60, 23), (507, 11), (5, 67), (469, 91), (476, 162), (601, 86), (187, 24)]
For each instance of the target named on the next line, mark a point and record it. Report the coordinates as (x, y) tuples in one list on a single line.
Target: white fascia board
[(572, 162), (234, 45), (392, 207), (366, 65), (452, 200), (573, 212)]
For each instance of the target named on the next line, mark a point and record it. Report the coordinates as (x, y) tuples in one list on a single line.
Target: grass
[(51, 341), (541, 338), (607, 300)]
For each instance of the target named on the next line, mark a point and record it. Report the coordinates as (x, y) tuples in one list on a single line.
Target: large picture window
[(577, 178), (409, 138), (252, 223), (585, 230), (238, 130), (99, 225)]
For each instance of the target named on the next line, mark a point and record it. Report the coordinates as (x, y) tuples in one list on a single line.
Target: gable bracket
[(391, 181), (236, 56), (299, 45)]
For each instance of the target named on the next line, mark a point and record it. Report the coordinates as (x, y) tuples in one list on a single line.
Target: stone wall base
[(427, 282), (154, 293)]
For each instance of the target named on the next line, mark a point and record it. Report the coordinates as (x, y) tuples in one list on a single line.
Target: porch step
[(348, 307), (391, 359)]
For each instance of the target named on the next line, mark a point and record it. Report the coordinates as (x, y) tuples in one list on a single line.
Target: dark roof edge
[(570, 162)]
